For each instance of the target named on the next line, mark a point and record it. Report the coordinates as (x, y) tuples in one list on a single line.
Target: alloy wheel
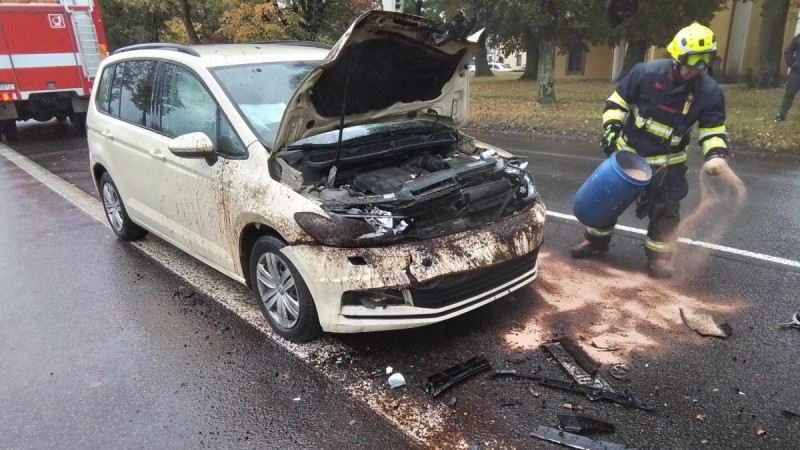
[(113, 207), (278, 291)]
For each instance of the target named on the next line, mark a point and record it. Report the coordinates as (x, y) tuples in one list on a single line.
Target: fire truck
[(49, 54)]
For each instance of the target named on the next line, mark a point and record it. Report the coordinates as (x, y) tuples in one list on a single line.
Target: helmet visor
[(697, 60)]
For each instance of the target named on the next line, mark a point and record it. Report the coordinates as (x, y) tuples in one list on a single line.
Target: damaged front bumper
[(418, 283)]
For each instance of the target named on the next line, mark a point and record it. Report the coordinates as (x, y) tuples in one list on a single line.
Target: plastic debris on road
[(397, 380)]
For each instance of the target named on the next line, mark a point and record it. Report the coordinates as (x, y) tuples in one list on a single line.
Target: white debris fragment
[(397, 380), (389, 370)]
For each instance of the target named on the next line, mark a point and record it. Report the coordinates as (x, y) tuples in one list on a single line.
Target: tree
[(770, 41), (261, 22), (657, 25)]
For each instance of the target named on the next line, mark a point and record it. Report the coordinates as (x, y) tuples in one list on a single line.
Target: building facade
[(737, 29)]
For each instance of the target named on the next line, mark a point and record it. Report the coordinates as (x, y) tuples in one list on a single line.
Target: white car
[(339, 189), (500, 67)]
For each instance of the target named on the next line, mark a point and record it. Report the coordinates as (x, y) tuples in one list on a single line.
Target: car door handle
[(107, 134), (158, 154)]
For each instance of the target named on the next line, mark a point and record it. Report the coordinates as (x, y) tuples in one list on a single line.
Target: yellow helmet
[(694, 46)]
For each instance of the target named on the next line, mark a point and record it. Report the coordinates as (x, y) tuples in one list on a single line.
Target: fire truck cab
[(49, 54)]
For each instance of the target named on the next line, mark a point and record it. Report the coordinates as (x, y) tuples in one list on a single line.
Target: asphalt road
[(119, 361)]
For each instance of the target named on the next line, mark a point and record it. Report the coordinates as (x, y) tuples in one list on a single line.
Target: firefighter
[(651, 113)]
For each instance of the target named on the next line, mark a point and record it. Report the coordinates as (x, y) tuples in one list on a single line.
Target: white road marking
[(419, 421), (708, 245)]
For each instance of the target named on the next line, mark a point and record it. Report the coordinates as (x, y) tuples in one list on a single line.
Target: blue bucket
[(613, 186)]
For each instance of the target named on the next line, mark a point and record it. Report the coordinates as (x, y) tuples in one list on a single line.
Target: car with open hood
[(335, 182)]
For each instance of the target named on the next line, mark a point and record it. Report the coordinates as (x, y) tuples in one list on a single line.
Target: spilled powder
[(610, 312)]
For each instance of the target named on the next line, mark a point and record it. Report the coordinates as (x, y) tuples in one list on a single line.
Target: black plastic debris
[(575, 370), (620, 372), (512, 373), (795, 323), (790, 414), (580, 356), (624, 398), (574, 440), (581, 423), (508, 402), (441, 381)]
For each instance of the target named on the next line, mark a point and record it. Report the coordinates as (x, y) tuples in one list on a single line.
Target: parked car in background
[(234, 154), (499, 67)]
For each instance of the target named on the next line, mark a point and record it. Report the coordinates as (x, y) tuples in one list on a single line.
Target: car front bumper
[(477, 266)]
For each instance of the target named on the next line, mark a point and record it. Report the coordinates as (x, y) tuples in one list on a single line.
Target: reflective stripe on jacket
[(658, 113)]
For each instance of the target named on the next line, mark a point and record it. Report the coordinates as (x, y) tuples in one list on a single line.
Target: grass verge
[(502, 103)]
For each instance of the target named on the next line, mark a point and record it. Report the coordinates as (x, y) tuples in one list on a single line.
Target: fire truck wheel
[(117, 216), (9, 129), (78, 122)]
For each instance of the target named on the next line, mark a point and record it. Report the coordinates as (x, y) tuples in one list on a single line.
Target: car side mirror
[(194, 145), (619, 10)]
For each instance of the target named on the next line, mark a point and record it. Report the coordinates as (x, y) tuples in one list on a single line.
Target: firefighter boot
[(659, 266), (590, 246)]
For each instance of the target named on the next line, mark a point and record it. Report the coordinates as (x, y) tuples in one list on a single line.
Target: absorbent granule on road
[(722, 199), (621, 311)]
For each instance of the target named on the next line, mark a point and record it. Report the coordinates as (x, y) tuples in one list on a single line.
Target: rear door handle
[(158, 154), (107, 134)]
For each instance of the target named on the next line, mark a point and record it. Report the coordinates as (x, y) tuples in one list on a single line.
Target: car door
[(123, 128), (192, 200)]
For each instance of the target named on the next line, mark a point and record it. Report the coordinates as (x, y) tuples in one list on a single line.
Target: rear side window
[(136, 92), (104, 89)]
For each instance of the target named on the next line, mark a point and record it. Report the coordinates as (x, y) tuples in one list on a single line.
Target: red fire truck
[(49, 54)]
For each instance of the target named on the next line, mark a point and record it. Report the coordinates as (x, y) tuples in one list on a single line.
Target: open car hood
[(387, 66)]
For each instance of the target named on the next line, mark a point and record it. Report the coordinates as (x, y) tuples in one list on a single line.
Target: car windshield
[(260, 92)]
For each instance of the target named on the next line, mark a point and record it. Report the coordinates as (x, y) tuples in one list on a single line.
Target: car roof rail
[(159, 46), (296, 42)]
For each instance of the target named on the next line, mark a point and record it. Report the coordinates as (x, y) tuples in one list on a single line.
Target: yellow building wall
[(596, 64)]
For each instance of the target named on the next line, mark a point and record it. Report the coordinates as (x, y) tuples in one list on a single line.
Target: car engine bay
[(404, 186)]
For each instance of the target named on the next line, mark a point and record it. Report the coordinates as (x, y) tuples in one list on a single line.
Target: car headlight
[(333, 231)]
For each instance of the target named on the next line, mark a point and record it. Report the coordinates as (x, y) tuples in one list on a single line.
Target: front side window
[(188, 107), (136, 93), (261, 91)]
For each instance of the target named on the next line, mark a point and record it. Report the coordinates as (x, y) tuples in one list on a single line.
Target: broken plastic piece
[(704, 324), (580, 356), (620, 372), (790, 414), (441, 381), (574, 440), (580, 423), (626, 398), (571, 366), (512, 373), (389, 370), (795, 323), (397, 380)]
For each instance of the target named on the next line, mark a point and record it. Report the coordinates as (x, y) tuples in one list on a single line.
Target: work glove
[(715, 166), (612, 131)]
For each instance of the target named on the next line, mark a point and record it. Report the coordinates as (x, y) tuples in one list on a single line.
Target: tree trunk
[(418, 9), (187, 22), (532, 59), (547, 59), (633, 55), (481, 59), (770, 42)]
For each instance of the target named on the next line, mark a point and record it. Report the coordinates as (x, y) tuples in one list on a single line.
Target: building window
[(519, 59), (575, 61)]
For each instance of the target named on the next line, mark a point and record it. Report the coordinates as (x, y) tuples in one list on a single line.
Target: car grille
[(452, 289)]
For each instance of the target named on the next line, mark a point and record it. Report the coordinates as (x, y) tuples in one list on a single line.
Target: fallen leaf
[(534, 392), (352, 422), (760, 432), (701, 417)]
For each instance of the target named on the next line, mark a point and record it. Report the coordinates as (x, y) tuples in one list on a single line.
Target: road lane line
[(708, 245), (419, 421)]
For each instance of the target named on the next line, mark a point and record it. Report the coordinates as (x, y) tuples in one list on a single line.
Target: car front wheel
[(117, 216), (281, 292)]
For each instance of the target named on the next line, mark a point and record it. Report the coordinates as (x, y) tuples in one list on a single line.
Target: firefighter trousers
[(660, 202)]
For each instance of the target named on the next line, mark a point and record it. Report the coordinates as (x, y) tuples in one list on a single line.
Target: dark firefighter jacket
[(658, 114), (792, 54)]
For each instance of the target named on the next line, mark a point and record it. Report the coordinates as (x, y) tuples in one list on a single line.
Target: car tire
[(287, 305), (78, 122), (8, 128), (117, 215)]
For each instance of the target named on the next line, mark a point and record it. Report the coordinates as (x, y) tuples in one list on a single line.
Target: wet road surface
[(102, 348), (711, 393)]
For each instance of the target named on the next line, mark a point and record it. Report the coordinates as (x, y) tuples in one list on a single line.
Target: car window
[(261, 91), (136, 93), (116, 89), (104, 89), (188, 107)]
